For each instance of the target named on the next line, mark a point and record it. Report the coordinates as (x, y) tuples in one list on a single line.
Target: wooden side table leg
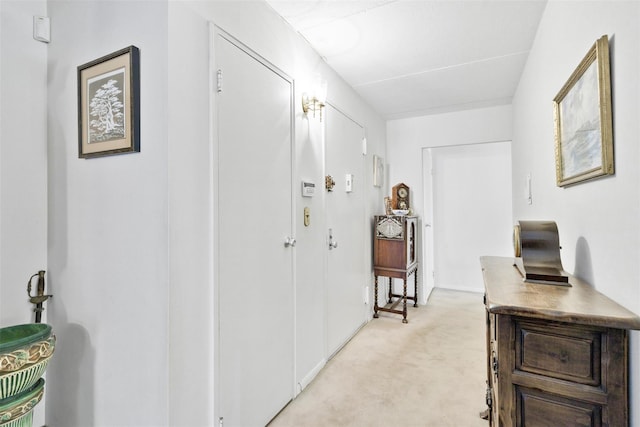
[(415, 287), (404, 301), (390, 300), (375, 298)]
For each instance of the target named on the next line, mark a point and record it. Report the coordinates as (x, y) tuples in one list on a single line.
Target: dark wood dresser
[(556, 355)]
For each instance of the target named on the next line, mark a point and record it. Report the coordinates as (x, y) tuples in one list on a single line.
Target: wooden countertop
[(507, 293)]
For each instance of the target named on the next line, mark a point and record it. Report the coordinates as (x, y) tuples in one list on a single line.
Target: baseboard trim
[(473, 290), (304, 382)]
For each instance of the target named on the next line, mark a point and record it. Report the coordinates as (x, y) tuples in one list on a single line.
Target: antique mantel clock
[(400, 197)]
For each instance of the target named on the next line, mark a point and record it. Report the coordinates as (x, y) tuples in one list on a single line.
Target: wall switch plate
[(348, 182), (42, 29)]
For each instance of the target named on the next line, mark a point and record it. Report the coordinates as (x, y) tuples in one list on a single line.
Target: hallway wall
[(255, 24), (407, 137), (128, 238), (23, 164), (108, 229), (597, 220), (23, 158)]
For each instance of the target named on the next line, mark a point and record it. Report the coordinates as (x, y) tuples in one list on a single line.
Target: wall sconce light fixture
[(312, 104)]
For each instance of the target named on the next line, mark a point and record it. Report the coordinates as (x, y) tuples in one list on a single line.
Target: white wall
[(407, 137), (108, 229), (23, 158), (129, 249), (191, 317), (597, 220), (192, 394)]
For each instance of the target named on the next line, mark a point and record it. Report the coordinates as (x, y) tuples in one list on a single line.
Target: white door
[(345, 219), (255, 269), (471, 211)]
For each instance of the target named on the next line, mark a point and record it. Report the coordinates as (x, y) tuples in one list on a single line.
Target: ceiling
[(417, 57)]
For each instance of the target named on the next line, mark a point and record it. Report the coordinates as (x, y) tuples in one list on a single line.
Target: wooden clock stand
[(394, 256)]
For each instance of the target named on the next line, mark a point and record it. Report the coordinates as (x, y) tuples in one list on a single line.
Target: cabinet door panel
[(539, 409), (569, 353)]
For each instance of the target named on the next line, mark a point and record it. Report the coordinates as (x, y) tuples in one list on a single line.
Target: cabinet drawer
[(539, 409), (567, 352)]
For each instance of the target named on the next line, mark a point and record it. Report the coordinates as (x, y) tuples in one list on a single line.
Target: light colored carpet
[(429, 372)]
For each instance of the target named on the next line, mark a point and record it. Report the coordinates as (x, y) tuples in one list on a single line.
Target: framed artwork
[(583, 120), (378, 171), (109, 104)]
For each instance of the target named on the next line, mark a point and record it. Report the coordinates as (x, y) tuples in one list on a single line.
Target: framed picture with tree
[(109, 104)]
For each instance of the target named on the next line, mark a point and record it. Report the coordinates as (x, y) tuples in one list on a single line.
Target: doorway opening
[(467, 212)]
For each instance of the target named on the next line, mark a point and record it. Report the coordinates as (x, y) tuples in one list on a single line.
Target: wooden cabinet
[(394, 256), (556, 355)]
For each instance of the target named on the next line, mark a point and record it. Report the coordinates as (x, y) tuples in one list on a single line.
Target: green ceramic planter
[(25, 351), (17, 411), (20, 380), (19, 336)]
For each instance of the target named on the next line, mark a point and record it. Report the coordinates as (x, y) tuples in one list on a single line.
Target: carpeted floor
[(430, 372)]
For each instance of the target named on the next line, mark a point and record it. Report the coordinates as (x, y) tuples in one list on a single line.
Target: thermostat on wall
[(308, 188)]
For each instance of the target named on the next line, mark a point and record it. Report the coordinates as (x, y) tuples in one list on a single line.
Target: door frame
[(428, 242), (214, 32)]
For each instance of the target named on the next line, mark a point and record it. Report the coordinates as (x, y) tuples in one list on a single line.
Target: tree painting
[(106, 108)]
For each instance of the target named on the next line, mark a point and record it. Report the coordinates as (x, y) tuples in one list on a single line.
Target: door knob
[(289, 242)]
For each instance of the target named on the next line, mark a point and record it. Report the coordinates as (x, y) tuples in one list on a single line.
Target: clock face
[(400, 196)]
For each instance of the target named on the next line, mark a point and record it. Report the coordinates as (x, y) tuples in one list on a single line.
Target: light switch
[(348, 182)]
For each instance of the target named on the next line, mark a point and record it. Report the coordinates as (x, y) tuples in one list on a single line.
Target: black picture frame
[(109, 104)]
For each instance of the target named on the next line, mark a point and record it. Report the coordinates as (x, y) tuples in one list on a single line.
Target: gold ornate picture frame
[(109, 104), (583, 120)]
